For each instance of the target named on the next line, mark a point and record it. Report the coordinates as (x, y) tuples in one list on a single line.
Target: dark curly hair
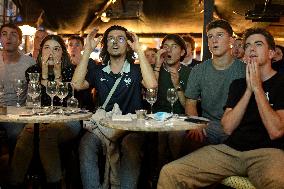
[(78, 38), (179, 40), (269, 38), (104, 55), (65, 59)]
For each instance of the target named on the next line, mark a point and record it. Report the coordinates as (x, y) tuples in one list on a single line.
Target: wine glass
[(34, 90), (2, 91), (51, 90), (172, 97), (2, 86), (62, 92), (72, 102), (151, 97), (34, 77), (19, 86)]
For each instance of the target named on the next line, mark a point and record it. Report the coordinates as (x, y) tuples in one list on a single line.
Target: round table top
[(151, 125), (24, 115)]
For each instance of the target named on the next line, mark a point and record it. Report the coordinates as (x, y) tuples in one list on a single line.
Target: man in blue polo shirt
[(117, 54)]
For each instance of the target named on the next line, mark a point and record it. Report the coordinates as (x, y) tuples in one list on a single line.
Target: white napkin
[(126, 117)]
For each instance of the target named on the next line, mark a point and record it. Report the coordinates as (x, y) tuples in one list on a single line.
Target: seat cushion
[(238, 182)]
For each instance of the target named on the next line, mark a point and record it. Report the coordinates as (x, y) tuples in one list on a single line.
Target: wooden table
[(23, 115), (130, 123), (152, 125)]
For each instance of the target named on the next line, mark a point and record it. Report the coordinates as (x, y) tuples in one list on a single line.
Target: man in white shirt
[(13, 65)]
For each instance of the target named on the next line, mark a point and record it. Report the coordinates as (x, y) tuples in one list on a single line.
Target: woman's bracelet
[(157, 69), (44, 78)]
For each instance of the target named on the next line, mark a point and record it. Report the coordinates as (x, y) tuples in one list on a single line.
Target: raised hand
[(160, 57), (253, 78), (135, 45), (91, 41)]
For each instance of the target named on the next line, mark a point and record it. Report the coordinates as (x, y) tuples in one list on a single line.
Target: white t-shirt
[(10, 72)]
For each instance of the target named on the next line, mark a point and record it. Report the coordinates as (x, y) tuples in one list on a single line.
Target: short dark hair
[(14, 26), (190, 40), (220, 24), (77, 37), (151, 49), (179, 40), (104, 55), (269, 38)]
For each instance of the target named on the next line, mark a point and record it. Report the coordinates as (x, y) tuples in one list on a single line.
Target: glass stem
[(52, 102), (151, 108), (72, 91), (18, 101), (172, 108), (33, 110)]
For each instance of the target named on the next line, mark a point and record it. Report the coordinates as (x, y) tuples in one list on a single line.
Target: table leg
[(36, 163)]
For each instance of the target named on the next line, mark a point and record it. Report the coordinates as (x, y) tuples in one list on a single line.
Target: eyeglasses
[(119, 39)]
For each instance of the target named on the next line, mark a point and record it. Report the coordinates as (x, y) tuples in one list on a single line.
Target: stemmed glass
[(151, 97), (34, 90), (34, 77), (72, 102), (172, 97), (2, 92), (51, 90), (19, 86), (62, 91)]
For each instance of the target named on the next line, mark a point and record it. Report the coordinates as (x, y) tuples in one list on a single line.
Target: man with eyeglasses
[(210, 81), (117, 54)]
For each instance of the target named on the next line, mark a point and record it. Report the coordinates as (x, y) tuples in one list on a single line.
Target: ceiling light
[(104, 17), (28, 30)]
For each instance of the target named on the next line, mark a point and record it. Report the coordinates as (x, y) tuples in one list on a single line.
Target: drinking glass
[(62, 92), (72, 102), (34, 77), (51, 90), (172, 97), (151, 97), (34, 90), (19, 86), (2, 92)]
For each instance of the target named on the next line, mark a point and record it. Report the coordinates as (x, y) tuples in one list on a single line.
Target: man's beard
[(116, 55)]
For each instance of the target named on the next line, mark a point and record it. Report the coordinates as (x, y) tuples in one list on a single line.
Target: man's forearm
[(81, 71), (149, 79), (191, 107), (270, 118), (233, 116)]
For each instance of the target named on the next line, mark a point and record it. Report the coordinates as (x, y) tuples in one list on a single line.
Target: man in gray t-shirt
[(13, 65), (210, 82)]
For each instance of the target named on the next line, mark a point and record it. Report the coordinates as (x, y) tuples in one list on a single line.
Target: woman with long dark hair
[(53, 64)]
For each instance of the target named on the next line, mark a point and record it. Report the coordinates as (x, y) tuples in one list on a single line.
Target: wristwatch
[(179, 88)]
